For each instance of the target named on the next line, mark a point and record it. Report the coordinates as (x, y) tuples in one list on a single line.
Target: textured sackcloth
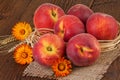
[(93, 72)]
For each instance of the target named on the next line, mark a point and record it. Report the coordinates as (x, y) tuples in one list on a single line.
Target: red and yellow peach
[(46, 15), (81, 11), (68, 26), (102, 26), (49, 48), (83, 49)]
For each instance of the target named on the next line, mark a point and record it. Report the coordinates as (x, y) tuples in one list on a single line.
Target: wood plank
[(10, 13), (110, 7)]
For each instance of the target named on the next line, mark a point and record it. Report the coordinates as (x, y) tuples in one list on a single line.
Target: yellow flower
[(23, 54), (21, 30), (62, 67)]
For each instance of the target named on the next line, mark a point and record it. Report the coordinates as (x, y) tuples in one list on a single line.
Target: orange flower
[(62, 67), (23, 54), (21, 30)]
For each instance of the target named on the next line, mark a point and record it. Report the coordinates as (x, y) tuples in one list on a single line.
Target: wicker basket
[(106, 45)]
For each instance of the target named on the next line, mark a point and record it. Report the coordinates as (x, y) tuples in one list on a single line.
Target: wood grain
[(13, 11)]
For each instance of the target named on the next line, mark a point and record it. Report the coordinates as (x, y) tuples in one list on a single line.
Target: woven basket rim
[(108, 45), (105, 45)]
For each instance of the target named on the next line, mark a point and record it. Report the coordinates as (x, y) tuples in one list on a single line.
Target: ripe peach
[(46, 15), (102, 26), (83, 49), (49, 48), (81, 11), (68, 26)]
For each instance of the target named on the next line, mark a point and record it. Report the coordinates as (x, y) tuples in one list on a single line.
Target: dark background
[(13, 11)]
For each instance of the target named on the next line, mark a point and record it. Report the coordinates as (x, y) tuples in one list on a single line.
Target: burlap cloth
[(93, 72)]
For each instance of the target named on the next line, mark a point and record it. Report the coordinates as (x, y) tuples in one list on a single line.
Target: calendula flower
[(62, 67), (21, 30), (23, 54)]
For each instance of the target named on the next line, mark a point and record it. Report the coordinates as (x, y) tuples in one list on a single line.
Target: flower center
[(49, 48), (24, 55), (61, 67), (22, 32)]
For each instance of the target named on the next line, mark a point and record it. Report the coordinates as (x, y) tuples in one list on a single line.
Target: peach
[(102, 26), (83, 49), (68, 26), (46, 15), (49, 48), (81, 11)]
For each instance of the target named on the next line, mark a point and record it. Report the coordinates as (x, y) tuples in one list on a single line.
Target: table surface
[(13, 11)]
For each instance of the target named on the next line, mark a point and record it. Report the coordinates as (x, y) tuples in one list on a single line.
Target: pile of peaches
[(75, 36)]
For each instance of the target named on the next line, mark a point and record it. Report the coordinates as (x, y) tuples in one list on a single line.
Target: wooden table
[(13, 11)]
